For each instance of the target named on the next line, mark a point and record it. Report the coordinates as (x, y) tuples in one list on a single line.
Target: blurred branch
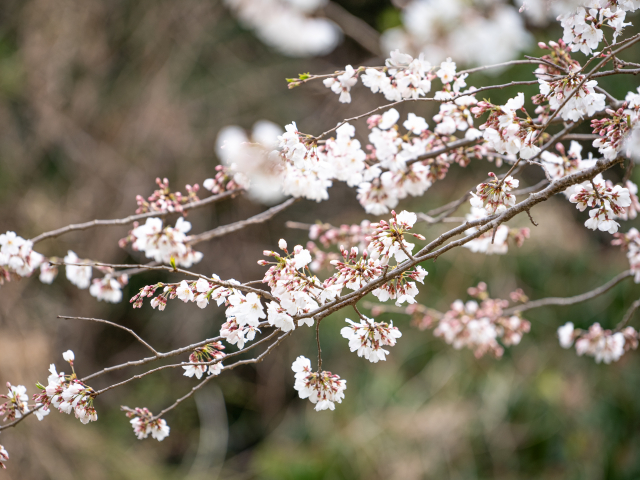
[(570, 300), (627, 316), (357, 29)]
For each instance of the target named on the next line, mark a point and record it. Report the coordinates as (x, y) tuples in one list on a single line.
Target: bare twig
[(234, 227), (97, 320), (627, 316), (131, 218), (583, 297)]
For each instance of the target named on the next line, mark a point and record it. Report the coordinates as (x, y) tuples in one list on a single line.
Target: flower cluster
[(211, 352), (235, 334), (66, 393), (298, 292), (604, 345), (257, 169), (566, 163), (504, 131), (354, 273), (494, 195), (289, 26), (78, 271), (479, 326), (613, 129), (387, 239), (17, 256), (401, 288), (607, 201), (584, 102), (16, 404), (4, 456), (489, 242), (404, 77), (306, 173), (630, 242), (144, 423), (394, 166), (368, 338), (164, 244), (322, 388), (460, 28), (583, 28), (164, 200), (227, 179), (108, 288)]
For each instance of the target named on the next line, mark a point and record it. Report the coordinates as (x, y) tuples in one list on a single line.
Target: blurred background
[(98, 98)]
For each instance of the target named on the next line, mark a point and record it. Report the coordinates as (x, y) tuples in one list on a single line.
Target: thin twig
[(234, 227), (97, 320), (131, 218), (583, 297), (627, 316)]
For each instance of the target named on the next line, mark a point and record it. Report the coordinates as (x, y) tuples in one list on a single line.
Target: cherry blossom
[(163, 200), (604, 345), (342, 84), (17, 254), (108, 288), (144, 423), (387, 240), (288, 26), (17, 402), (494, 195), (164, 244), (323, 389), (79, 275), (368, 337), (4, 456), (67, 394), (211, 352), (607, 202)]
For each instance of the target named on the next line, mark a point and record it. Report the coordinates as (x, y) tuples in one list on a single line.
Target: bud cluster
[(164, 200), (211, 352), (144, 423), (613, 129)]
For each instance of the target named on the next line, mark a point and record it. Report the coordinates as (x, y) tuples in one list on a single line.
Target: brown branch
[(97, 320), (234, 227), (131, 218), (184, 364), (258, 359), (627, 316), (563, 301)]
